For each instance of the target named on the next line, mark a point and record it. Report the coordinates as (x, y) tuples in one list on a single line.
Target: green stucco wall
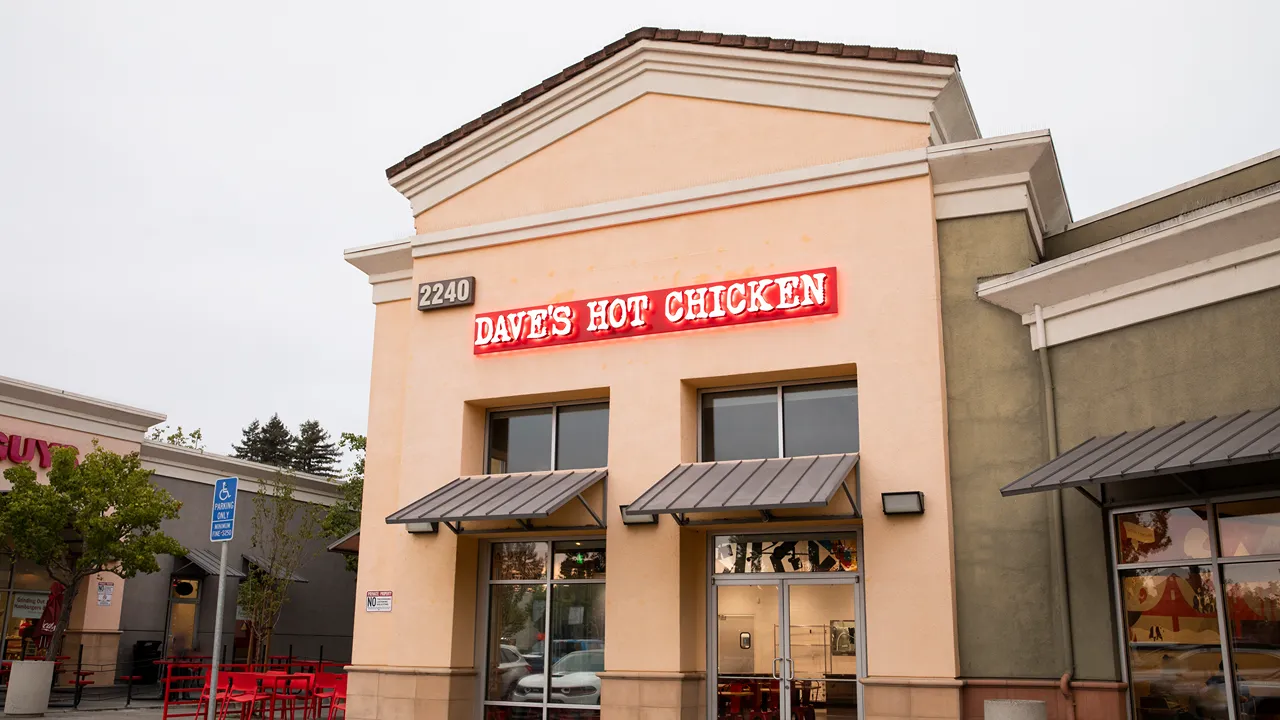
[(995, 425)]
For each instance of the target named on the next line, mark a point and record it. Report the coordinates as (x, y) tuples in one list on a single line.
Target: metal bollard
[(1014, 710)]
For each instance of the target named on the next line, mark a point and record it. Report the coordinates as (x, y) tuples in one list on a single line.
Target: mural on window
[(757, 555)]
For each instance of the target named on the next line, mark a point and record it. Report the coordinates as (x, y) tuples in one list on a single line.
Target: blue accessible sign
[(222, 527)]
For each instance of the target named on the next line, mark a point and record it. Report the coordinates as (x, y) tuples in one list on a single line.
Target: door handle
[(775, 674), (789, 663)]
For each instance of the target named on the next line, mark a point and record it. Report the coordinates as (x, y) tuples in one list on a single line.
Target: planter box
[(29, 684)]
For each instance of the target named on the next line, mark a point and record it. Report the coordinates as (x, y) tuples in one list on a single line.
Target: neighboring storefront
[(694, 394), (171, 612)]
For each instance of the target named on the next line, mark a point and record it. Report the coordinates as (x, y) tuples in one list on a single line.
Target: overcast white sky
[(178, 180)]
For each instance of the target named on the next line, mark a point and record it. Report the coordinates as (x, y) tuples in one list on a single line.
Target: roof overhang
[(904, 91), (348, 544), (51, 406), (207, 562), (758, 486), (1224, 250), (1012, 173), (199, 466)]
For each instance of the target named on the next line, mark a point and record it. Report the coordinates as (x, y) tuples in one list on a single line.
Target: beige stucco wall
[(881, 238), (664, 142)]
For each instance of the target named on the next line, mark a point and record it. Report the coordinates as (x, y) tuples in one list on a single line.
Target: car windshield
[(587, 661)]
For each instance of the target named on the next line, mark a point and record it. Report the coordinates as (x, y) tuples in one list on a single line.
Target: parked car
[(573, 680), (559, 649), (511, 667)]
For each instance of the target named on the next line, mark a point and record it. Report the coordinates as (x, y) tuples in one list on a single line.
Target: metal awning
[(262, 563), (1172, 450), (348, 544), (522, 497), (208, 562), (759, 485)]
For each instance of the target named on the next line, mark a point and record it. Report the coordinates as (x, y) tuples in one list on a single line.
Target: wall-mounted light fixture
[(902, 503), (421, 528), (637, 519)]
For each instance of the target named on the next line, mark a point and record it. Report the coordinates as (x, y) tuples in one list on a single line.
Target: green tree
[(100, 515), (193, 439), (344, 515), (313, 452), (269, 444), (284, 531)]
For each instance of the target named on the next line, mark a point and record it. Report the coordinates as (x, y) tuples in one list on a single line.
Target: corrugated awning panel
[(262, 563), (512, 496), (1249, 437), (774, 484), (208, 562)]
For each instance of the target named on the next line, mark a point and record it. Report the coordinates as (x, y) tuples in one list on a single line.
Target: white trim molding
[(389, 263), (894, 91), (202, 467), (50, 406), (1012, 173), (1222, 251)]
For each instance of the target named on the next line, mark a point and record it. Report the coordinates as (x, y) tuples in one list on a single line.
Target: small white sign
[(106, 591), (29, 605), (377, 601), (575, 615)]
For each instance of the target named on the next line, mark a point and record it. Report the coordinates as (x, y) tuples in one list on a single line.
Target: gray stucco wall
[(995, 425), (319, 612)]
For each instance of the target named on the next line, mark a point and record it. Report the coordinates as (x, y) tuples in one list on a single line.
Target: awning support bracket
[(1182, 480), (594, 515), (1089, 495), (455, 527)]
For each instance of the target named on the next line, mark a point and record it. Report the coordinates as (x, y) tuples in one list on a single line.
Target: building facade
[(695, 392), (171, 612)]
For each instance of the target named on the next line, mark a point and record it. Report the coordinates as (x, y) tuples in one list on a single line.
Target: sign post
[(222, 527)]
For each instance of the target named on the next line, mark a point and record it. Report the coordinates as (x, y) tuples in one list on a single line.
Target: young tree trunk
[(64, 619)]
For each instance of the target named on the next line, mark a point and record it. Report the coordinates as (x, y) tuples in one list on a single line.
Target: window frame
[(554, 407), (484, 597), (779, 387)]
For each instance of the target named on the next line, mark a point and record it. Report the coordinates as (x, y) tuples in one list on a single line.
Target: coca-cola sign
[(19, 449)]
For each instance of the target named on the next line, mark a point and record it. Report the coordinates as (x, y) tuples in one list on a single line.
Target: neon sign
[(692, 307)]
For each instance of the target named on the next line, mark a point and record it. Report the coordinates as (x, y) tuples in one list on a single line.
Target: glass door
[(821, 659), (786, 649)]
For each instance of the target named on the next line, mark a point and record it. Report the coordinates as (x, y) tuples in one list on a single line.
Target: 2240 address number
[(446, 293)]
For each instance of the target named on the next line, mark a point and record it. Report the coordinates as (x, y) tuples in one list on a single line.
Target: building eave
[(205, 467)]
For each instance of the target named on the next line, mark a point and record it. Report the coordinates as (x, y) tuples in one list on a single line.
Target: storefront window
[(816, 419), (1253, 617), (1250, 528), (560, 437), (545, 630), (1171, 534), (30, 576), (753, 554), (1175, 657), (21, 633)]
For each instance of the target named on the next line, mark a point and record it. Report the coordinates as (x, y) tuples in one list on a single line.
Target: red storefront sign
[(692, 307), (18, 449)]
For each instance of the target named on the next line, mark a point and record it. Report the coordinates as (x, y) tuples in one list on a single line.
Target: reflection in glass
[(1253, 617), (744, 675), (740, 425), (517, 616), (1163, 535), (30, 576), (575, 653), (1175, 659), (754, 554), (820, 419), (1250, 528), (519, 561), (582, 436), (579, 560), (520, 441)]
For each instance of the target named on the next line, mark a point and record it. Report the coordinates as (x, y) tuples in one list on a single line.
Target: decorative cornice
[(893, 91), (1012, 173), (51, 406), (1225, 250), (205, 467)]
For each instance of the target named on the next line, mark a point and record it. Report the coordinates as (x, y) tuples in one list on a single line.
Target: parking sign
[(222, 527)]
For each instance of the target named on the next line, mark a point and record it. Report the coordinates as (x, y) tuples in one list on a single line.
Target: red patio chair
[(289, 692), (244, 690), (326, 688), (339, 701)]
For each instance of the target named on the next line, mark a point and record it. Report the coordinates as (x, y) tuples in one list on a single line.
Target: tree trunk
[(69, 593)]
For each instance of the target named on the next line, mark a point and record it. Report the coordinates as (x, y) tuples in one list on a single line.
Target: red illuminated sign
[(692, 307), (18, 449)]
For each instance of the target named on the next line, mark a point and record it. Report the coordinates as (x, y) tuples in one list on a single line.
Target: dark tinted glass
[(582, 436), (579, 560), (519, 561), (820, 419), (576, 651), (1253, 611), (520, 441), (517, 617), (740, 425)]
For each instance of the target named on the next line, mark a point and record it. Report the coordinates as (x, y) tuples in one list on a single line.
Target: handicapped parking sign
[(222, 525)]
